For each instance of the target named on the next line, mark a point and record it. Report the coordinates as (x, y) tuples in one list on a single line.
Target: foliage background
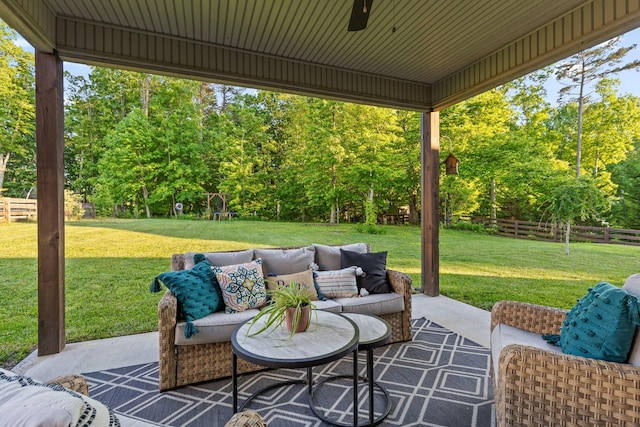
[(137, 144)]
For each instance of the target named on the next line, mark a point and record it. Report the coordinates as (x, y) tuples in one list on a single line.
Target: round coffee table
[(374, 332), (329, 337)]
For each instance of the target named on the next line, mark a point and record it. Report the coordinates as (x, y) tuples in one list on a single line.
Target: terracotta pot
[(303, 324)]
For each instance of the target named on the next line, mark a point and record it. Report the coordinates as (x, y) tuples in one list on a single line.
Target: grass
[(110, 264)]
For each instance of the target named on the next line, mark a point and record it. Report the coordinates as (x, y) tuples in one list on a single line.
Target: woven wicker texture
[(246, 418), (72, 382), (188, 364), (537, 387)]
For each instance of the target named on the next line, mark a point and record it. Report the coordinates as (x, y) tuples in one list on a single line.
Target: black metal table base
[(372, 419), (308, 382)]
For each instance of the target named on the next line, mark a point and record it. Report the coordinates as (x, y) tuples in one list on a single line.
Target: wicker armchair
[(535, 386), (72, 382), (187, 364)]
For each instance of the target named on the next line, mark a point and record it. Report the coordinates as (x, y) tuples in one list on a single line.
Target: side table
[(330, 337), (374, 332)]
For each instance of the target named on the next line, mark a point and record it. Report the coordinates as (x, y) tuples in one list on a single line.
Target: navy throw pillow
[(374, 266), (196, 290)]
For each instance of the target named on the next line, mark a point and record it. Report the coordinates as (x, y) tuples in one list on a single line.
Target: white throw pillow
[(24, 401)]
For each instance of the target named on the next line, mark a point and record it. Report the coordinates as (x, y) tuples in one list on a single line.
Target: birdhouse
[(451, 164)]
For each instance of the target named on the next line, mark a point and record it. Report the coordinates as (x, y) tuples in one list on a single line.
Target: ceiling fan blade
[(360, 14)]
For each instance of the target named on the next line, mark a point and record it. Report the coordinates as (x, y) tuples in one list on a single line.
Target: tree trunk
[(3, 168), (566, 238), (493, 219), (145, 194), (580, 110), (414, 218)]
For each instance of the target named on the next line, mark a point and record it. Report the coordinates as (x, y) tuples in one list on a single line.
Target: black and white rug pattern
[(438, 379)]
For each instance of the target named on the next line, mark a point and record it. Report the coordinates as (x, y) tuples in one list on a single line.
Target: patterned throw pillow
[(602, 324), (337, 283), (304, 278), (196, 290), (242, 286)]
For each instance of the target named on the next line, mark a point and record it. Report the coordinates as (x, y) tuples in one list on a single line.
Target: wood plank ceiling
[(418, 54)]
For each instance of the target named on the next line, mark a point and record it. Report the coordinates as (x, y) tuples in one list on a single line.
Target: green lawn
[(110, 264)]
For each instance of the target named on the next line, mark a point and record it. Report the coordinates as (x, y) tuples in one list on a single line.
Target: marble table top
[(374, 331), (330, 336)]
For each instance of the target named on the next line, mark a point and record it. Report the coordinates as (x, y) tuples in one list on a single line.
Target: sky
[(629, 80)]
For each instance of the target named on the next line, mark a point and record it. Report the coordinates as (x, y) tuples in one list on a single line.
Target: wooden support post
[(430, 124), (50, 184)]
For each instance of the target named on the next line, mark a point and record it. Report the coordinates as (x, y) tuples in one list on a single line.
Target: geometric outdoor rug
[(437, 379)]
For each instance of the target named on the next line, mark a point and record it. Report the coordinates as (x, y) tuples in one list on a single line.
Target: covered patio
[(415, 55), (418, 55)]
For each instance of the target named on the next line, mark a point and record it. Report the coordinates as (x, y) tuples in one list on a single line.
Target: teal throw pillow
[(602, 324), (196, 290)]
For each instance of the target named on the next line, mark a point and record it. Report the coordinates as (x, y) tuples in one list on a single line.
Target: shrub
[(72, 205)]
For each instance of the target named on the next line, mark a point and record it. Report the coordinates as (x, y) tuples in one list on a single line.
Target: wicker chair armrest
[(529, 317), (167, 312), (167, 320), (400, 282), (72, 382), (177, 262), (539, 387)]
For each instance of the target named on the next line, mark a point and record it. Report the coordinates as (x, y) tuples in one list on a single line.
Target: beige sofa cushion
[(216, 327), (285, 261), (328, 305), (220, 258), (329, 257), (376, 304), (504, 335)]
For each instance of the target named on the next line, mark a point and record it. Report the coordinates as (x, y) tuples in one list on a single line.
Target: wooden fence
[(12, 209), (555, 232)]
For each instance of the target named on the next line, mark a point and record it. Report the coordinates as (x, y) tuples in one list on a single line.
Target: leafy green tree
[(176, 121), (17, 115), (610, 127), (370, 135), (244, 155), (571, 199), (130, 164), (626, 175), (93, 107), (588, 67)]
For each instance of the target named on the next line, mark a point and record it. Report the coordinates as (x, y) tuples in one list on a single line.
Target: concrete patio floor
[(89, 356)]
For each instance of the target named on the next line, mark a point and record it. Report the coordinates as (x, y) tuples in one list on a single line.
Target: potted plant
[(290, 305)]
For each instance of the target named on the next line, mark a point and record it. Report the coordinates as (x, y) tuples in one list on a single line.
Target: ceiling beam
[(33, 20), (594, 22), (147, 52)]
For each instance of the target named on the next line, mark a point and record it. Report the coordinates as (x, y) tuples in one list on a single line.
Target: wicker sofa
[(191, 361), (536, 384)]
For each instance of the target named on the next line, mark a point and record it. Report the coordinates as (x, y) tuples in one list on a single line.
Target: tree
[(17, 112), (409, 164), (130, 165), (626, 175), (591, 66), (610, 127), (570, 199)]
